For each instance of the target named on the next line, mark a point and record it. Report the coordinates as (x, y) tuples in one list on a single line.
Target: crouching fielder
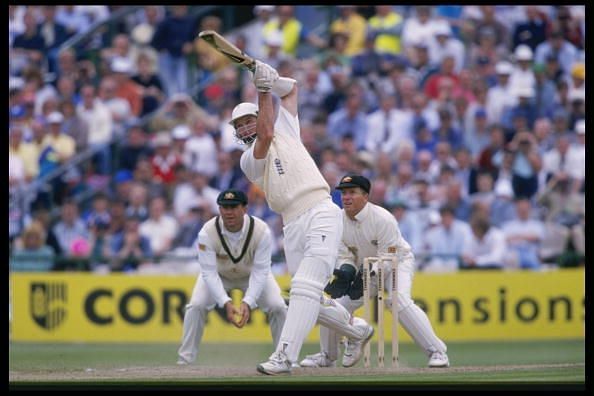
[(371, 231), (234, 251)]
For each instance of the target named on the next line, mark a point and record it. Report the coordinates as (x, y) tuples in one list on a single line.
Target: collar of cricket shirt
[(364, 213)]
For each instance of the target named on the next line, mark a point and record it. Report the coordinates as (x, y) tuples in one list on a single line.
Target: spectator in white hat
[(63, 145), (498, 97), (576, 156), (273, 48), (180, 135), (418, 27), (254, 31), (502, 207), (523, 73), (443, 43), (123, 69)]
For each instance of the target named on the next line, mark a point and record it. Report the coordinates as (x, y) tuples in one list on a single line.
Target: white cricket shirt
[(215, 264), (288, 175)]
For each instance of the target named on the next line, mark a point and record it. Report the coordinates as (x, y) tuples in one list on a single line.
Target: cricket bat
[(227, 48)]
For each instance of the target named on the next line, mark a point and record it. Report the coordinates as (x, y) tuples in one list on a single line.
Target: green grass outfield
[(551, 363)]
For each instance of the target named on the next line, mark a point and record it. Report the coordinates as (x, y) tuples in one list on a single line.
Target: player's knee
[(404, 301), (277, 305), (197, 308), (308, 288), (277, 310)]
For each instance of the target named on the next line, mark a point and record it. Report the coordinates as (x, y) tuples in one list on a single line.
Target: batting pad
[(304, 306), (336, 317)]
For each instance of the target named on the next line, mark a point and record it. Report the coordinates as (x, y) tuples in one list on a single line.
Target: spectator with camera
[(526, 164)]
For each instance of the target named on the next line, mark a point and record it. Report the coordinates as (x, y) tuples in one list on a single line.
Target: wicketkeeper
[(372, 231)]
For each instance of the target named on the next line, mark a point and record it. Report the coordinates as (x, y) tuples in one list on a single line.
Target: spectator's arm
[(316, 41), (496, 255)]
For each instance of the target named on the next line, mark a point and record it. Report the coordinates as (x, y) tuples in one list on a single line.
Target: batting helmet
[(243, 109)]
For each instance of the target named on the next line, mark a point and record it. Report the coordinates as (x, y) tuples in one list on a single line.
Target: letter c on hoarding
[(90, 307)]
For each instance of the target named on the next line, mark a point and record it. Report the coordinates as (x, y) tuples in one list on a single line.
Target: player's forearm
[(260, 270), (255, 286), (264, 125), (215, 286)]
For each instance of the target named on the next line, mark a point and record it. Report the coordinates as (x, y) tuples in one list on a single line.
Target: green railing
[(70, 263)]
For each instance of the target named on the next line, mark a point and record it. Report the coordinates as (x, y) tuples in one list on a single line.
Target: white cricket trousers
[(311, 247), (201, 303)]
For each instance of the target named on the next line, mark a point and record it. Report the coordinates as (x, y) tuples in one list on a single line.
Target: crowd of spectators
[(469, 120)]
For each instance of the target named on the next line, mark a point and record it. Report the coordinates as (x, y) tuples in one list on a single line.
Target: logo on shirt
[(374, 242), (279, 166), (323, 238)]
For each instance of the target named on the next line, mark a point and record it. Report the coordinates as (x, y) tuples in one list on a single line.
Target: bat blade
[(227, 48)]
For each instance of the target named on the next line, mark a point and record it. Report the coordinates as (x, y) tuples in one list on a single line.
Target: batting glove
[(342, 281), (265, 76)]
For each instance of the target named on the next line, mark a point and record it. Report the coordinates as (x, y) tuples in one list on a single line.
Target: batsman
[(372, 231), (278, 162)]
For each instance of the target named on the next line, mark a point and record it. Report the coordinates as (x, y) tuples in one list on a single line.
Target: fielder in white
[(277, 161), (372, 231), (234, 251)]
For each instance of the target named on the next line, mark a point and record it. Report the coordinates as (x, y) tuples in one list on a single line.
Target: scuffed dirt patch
[(168, 373)]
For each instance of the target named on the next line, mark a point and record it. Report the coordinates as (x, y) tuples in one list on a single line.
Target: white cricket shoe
[(439, 359), (277, 363), (182, 362), (354, 349), (319, 359)]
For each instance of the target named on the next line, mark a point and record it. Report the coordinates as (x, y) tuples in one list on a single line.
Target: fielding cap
[(354, 181), (232, 197)]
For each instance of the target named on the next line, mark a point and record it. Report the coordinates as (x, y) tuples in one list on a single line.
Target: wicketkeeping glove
[(356, 289), (264, 77), (343, 277)]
